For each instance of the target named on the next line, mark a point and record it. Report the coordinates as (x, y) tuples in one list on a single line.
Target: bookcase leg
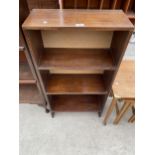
[(47, 110), (52, 114), (99, 114)]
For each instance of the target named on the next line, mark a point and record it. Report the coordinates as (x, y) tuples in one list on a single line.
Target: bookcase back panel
[(77, 39)]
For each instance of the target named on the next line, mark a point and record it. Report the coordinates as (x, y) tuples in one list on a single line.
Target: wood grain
[(22, 57), (75, 84), (76, 103), (93, 4), (29, 94), (124, 84), (77, 20), (43, 4), (92, 60), (130, 14), (25, 74), (107, 4), (46, 19)]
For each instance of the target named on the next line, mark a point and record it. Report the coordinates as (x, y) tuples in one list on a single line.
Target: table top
[(46, 19), (124, 84)]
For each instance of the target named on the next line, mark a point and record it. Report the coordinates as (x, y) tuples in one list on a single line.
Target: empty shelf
[(74, 60), (25, 74), (29, 94), (75, 84), (77, 103)]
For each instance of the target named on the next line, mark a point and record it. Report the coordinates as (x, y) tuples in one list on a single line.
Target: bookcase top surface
[(46, 19)]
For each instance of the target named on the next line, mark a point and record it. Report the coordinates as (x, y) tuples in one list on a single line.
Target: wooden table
[(123, 89)]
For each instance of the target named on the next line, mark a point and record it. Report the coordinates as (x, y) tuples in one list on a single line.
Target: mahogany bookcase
[(76, 54), (29, 86)]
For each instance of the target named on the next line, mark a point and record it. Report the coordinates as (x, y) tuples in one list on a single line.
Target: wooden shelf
[(49, 19), (76, 60), (78, 103), (29, 94), (75, 84), (25, 74), (77, 71)]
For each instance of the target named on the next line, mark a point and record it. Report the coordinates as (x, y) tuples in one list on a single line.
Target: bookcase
[(29, 87), (76, 54)]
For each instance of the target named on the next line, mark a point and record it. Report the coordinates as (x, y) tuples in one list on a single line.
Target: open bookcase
[(76, 54)]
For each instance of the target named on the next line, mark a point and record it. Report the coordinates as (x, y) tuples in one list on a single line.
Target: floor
[(74, 133)]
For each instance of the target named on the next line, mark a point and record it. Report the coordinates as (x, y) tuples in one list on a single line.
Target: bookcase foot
[(99, 114), (47, 110), (52, 114)]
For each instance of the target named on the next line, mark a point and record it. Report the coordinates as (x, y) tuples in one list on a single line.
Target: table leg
[(111, 107), (131, 118), (122, 111), (117, 109)]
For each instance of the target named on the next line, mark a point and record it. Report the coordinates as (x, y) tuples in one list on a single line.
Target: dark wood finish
[(29, 94), (30, 90), (52, 65), (81, 4), (76, 59), (130, 15), (46, 19), (23, 11), (68, 4), (122, 4), (36, 44), (87, 4), (93, 4), (107, 4), (107, 78), (75, 84), (25, 74), (43, 4), (76, 103), (119, 44), (125, 5), (131, 6), (22, 57)]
